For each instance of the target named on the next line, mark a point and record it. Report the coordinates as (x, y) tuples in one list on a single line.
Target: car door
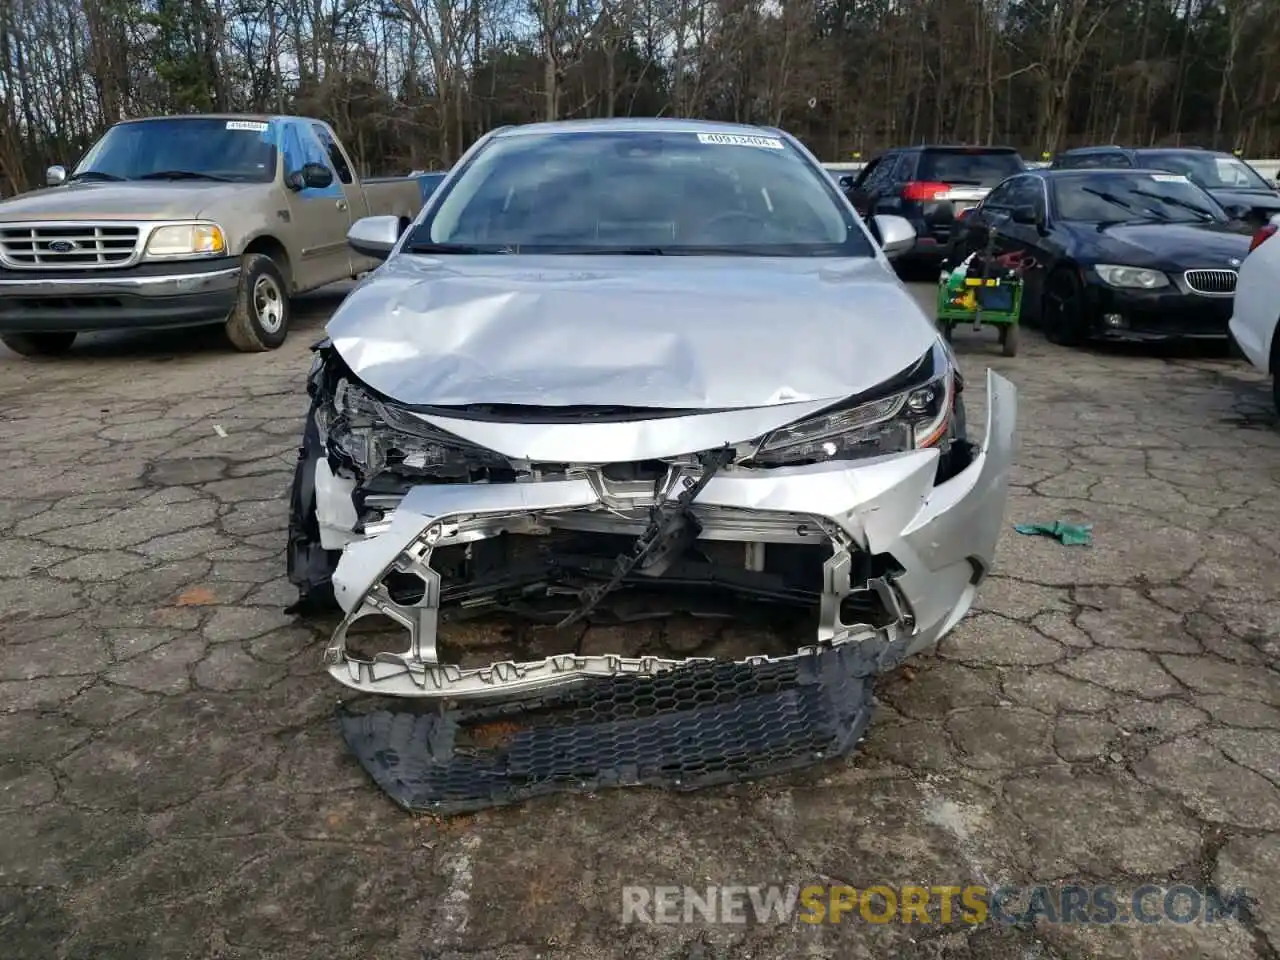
[(988, 215), (319, 217), (1020, 243), (893, 177), (1031, 243), (353, 195), (858, 193), (870, 192)]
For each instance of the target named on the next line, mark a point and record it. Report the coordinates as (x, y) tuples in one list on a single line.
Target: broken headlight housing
[(916, 412), (375, 436)]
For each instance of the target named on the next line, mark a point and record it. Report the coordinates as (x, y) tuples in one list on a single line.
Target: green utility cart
[(979, 301)]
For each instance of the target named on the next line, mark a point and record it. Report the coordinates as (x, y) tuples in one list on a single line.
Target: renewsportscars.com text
[(940, 904)]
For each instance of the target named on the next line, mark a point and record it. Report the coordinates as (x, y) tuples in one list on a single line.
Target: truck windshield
[(182, 148), (676, 192)]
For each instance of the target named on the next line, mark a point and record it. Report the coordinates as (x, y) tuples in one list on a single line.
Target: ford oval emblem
[(63, 246)]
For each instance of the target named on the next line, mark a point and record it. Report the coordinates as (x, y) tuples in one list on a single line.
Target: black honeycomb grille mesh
[(692, 727)]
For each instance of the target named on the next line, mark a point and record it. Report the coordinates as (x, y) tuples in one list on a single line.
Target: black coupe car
[(1123, 254)]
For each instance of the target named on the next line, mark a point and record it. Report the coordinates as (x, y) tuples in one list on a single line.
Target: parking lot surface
[(174, 786)]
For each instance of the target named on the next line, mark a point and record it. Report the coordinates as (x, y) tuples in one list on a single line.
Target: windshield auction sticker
[(253, 125), (739, 140)]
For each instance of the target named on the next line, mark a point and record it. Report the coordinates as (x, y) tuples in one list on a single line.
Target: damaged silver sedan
[(614, 357)]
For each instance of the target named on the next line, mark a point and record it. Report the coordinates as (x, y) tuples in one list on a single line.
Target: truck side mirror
[(55, 175), (311, 175)]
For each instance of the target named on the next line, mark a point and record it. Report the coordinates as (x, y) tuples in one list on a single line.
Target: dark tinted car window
[(1000, 198), (1025, 192), (1093, 161), (335, 153), (880, 174), (977, 167)]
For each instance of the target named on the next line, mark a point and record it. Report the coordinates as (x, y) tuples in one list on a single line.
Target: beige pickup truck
[(180, 221)]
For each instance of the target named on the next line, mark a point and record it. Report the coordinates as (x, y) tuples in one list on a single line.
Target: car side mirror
[(375, 236), (1026, 216), (55, 175), (1237, 211), (311, 175), (896, 234)]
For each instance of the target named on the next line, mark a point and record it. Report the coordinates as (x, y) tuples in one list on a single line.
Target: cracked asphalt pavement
[(173, 784)]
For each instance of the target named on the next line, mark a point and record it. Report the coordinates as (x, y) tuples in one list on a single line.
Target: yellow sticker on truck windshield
[(740, 140)]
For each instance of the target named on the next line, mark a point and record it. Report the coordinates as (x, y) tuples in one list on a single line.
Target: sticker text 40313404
[(740, 140)]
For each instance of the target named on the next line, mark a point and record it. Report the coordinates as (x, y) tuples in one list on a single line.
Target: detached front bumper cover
[(701, 725)]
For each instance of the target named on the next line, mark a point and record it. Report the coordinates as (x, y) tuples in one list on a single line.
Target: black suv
[(1241, 190), (933, 187)]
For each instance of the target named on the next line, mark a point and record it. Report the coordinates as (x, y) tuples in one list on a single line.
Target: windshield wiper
[(1111, 198), (1125, 205), (615, 251), (183, 175), (1178, 202), (1105, 225), (459, 248), (93, 175)]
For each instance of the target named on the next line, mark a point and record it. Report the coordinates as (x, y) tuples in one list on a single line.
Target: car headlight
[(916, 416), (187, 240), (1131, 278), (377, 436)]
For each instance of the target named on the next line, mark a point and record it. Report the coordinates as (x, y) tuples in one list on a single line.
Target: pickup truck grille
[(67, 245)]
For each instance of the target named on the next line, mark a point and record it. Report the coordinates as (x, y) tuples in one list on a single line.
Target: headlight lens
[(1131, 278), (916, 417), (187, 240), (377, 436)]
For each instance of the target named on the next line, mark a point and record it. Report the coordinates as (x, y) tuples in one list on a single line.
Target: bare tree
[(409, 83)]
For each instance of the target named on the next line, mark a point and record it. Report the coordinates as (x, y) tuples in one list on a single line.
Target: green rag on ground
[(1068, 534)]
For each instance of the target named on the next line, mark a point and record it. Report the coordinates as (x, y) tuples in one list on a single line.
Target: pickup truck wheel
[(39, 344), (260, 320)]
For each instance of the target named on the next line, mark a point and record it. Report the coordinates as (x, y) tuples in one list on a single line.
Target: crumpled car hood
[(687, 333)]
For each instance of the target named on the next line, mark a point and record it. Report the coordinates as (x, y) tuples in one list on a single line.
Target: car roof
[(1050, 174), (259, 117), (1200, 150), (636, 125), (1113, 148), (1108, 148), (953, 148)]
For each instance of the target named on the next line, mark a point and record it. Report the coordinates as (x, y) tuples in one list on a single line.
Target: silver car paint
[(694, 333)]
